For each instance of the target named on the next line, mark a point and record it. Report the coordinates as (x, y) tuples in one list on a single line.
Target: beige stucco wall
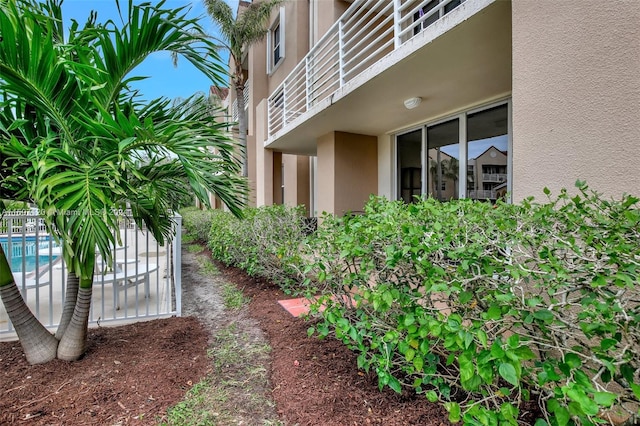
[(347, 171), (296, 180), (576, 96), (327, 13), (296, 39), (263, 165), (386, 179)]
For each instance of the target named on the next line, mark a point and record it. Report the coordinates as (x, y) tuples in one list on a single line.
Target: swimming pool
[(27, 252)]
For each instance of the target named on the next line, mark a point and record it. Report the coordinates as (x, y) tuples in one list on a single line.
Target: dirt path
[(239, 390), (201, 292)]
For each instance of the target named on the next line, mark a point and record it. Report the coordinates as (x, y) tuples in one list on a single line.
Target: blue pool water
[(24, 252)]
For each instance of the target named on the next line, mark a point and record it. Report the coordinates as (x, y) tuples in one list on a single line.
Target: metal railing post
[(396, 24)]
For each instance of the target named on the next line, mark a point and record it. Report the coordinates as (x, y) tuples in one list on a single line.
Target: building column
[(264, 159), (347, 171), (296, 180)]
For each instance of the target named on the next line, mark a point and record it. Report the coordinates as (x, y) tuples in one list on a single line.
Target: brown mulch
[(316, 382), (132, 374)]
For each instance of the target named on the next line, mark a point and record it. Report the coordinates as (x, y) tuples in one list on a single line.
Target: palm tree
[(450, 170), (76, 140), (238, 34), (446, 169)]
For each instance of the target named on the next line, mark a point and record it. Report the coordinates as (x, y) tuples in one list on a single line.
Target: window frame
[(276, 33), (462, 117)]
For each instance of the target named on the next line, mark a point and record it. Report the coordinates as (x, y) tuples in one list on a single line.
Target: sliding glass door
[(409, 165), (428, 159)]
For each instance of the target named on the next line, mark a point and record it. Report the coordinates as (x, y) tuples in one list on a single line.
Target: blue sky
[(165, 79)]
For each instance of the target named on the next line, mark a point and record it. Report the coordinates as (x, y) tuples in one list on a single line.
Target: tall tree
[(237, 35), (78, 141)]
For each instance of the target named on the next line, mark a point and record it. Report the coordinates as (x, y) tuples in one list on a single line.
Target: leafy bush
[(197, 222), (265, 243), (485, 307)]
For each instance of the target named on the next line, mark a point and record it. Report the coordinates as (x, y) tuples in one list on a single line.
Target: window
[(442, 155), (433, 11), (484, 145), (409, 153), (487, 150), (275, 43)]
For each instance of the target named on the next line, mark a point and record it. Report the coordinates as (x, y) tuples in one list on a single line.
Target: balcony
[(494, 177), (482, 194), (368, 59)]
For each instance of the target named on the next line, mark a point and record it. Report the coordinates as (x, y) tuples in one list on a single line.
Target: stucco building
[(404, 97)]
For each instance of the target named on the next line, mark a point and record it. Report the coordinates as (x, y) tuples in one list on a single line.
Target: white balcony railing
[(482, 194), (364, 34), (234, 107), (494, 177)]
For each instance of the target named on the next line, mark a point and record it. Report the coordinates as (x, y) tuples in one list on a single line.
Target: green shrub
[(197, 222), (265, 243), (484, 307)]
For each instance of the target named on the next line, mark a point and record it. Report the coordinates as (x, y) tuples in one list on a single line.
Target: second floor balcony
[(494, 177), (381, 52)]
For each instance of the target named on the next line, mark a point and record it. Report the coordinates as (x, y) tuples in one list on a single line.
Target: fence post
[(177, 264)]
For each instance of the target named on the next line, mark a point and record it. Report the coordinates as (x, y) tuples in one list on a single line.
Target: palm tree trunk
[(38, 344), (74, 341), (242, 128), (70, 298)]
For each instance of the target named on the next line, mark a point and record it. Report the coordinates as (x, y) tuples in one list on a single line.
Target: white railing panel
[(494, 177), (364, 34), (141, 280)]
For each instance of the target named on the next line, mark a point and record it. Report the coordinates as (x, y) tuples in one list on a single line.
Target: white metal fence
[(364, 34), (141, 281)]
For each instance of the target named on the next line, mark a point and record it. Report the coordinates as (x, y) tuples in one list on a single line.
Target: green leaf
[(508, 372), (432, 396), (409, 319), (587, 405), (604, 399), (496, 350), (544, 315), (572, 360), (418, 363), (562, 416), (513, 341), (636, 389), (395, 384), (454, 411), (482, 337), (494, 313), (509, 412), (607, 344), (410, 354)]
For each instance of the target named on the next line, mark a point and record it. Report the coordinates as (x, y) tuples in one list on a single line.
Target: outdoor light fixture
[(411, 103)]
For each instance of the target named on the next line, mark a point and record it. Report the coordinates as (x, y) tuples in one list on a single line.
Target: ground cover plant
[(500, 312)]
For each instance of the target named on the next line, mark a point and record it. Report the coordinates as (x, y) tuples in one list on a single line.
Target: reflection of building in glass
[(487, 175), (443, 175)]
